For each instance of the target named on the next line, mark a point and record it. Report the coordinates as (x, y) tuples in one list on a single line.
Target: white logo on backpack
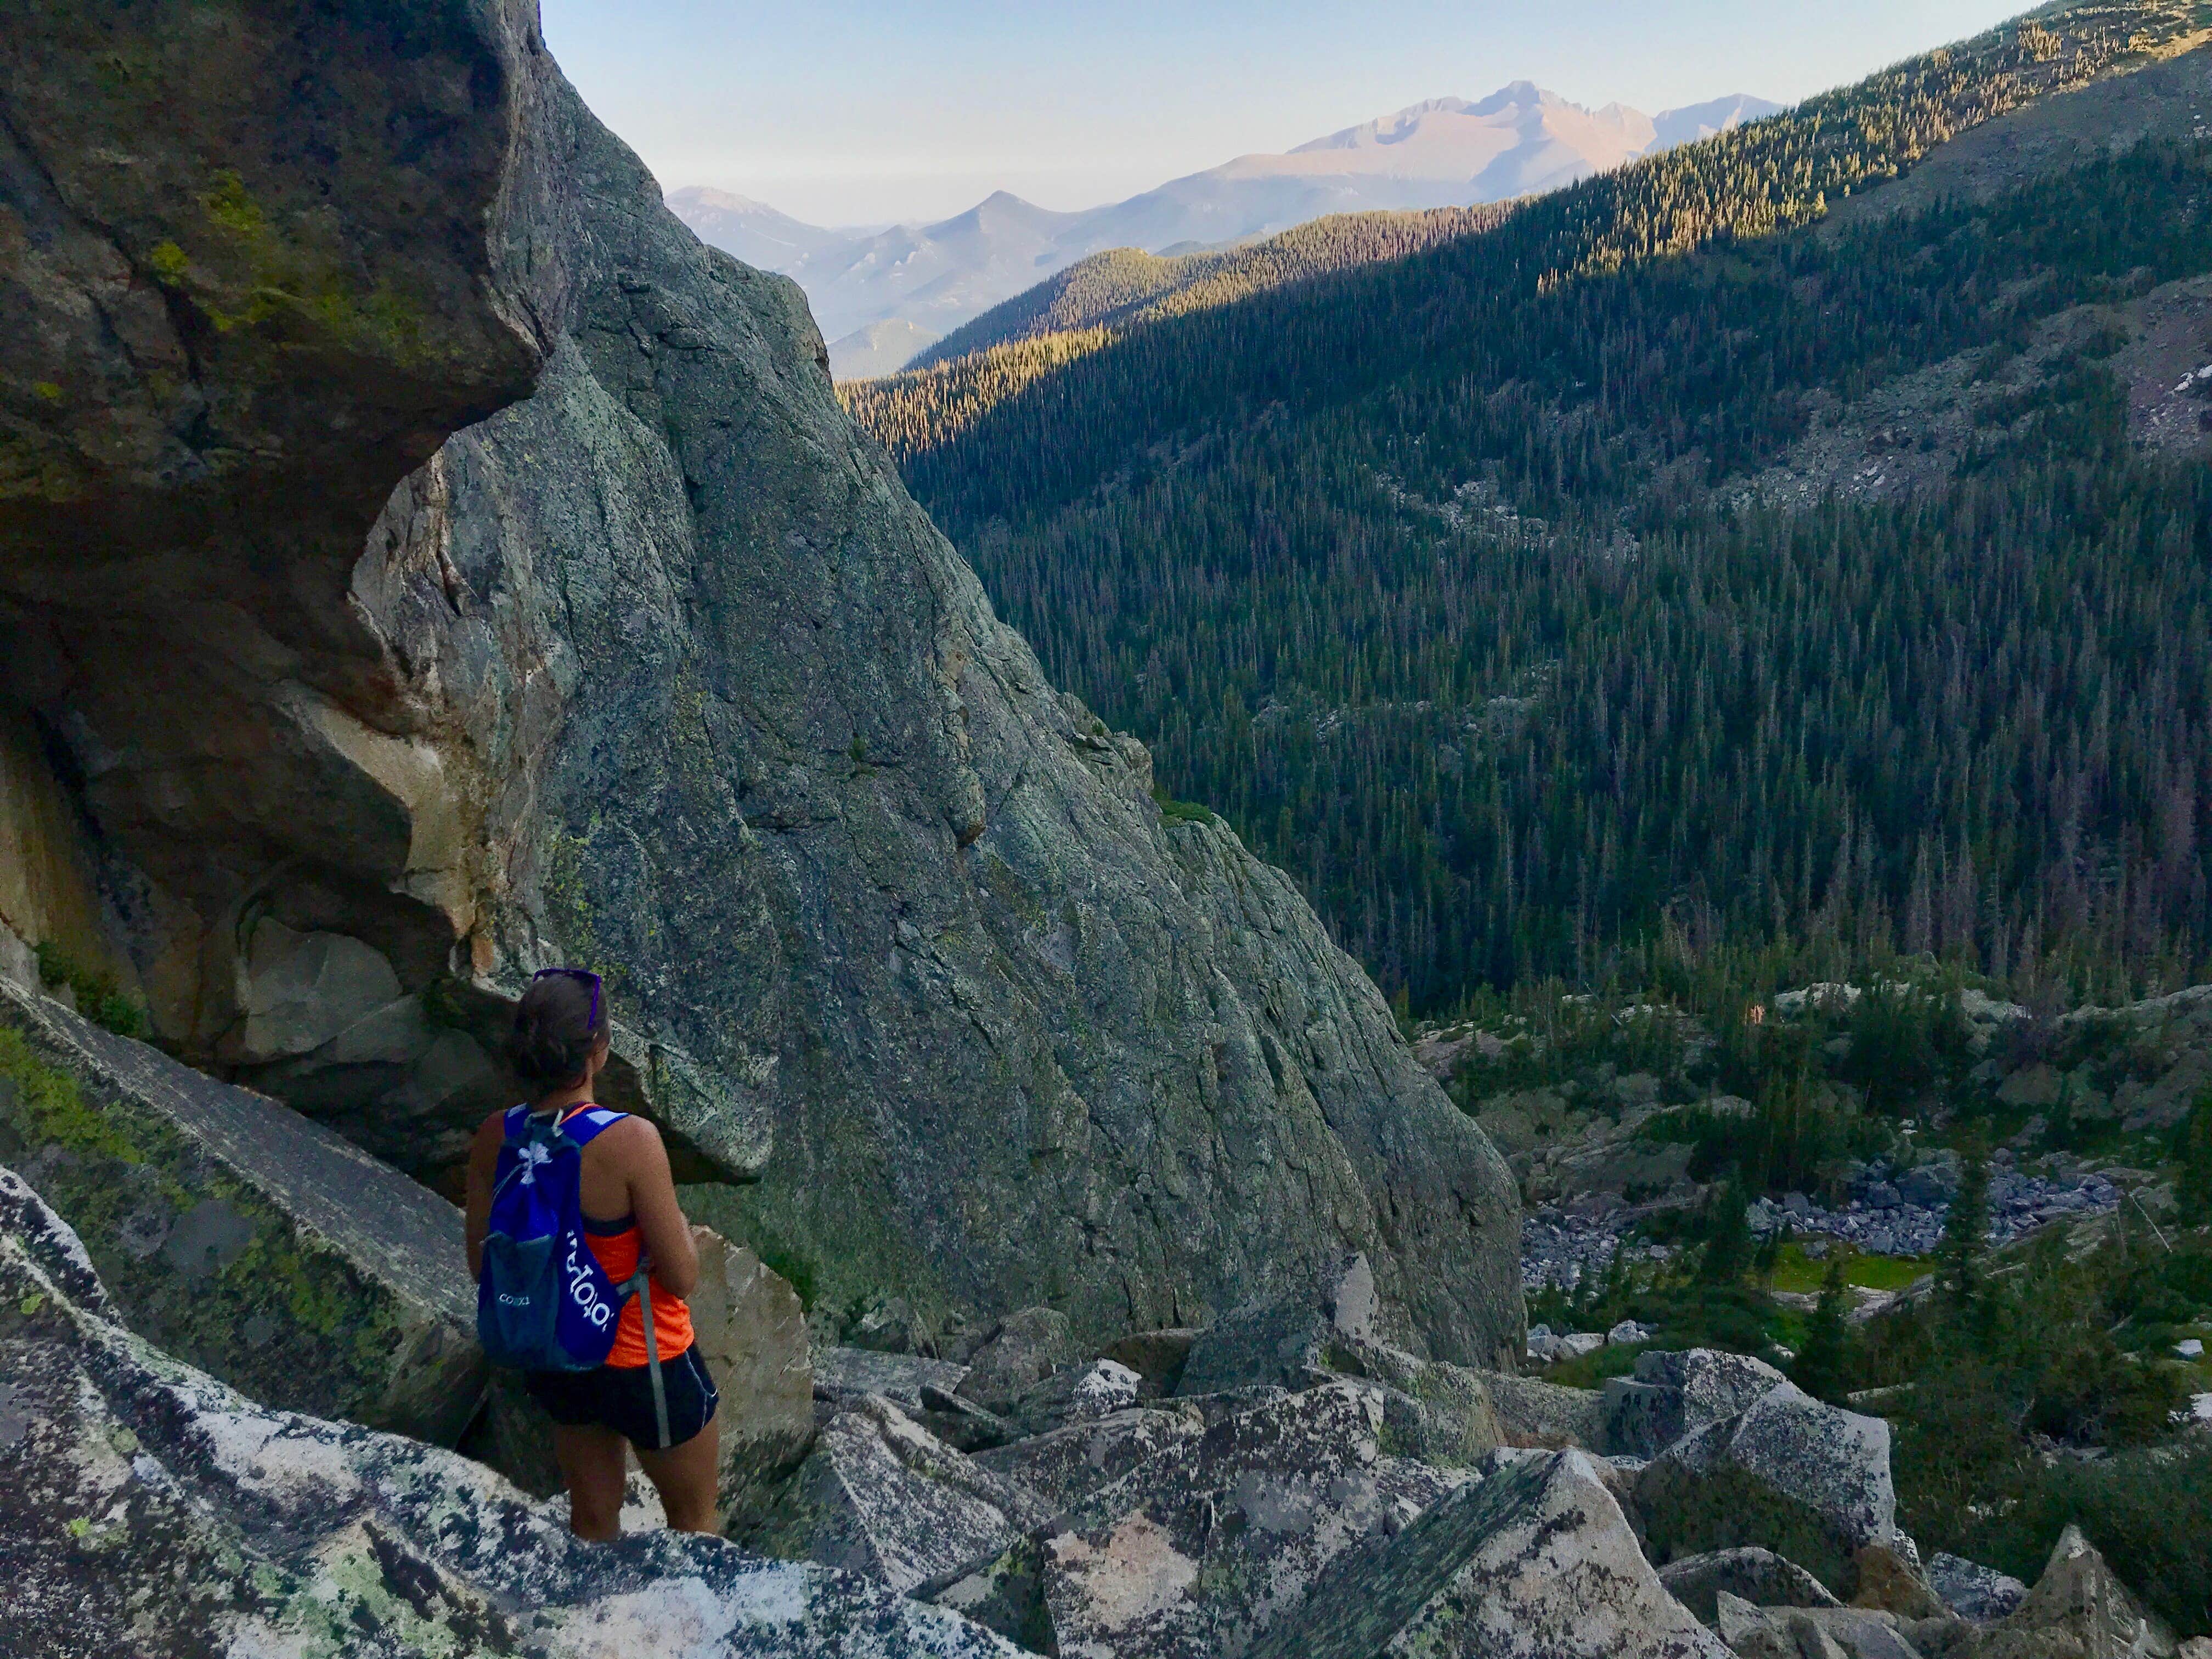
[(582, 1292)]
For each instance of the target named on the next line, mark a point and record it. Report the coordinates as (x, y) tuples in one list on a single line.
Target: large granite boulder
[(1064, 1466), (1531, 1411), (1973, 1590), (845, 1377), (239, 1236), (880, 1496), (1672, 1394), (151, 1509), (1532, 1560), (1079, 1393), (1158, 1357), (751, 1332), (1790, 1473), (1273, 1339), (523, 593), (1200, 1547)]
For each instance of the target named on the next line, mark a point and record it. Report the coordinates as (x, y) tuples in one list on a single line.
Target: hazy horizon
[(871, 113)]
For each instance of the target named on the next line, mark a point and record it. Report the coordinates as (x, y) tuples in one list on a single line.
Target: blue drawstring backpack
[(542, 1301)]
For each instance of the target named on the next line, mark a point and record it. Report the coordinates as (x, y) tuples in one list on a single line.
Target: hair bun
[(554, 1034)]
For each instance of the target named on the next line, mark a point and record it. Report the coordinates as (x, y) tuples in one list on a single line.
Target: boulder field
[(151, 1506)]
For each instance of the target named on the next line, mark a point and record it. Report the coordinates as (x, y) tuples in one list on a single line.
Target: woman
[(557, 1047)]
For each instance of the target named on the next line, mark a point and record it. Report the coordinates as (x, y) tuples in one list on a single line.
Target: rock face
[(152, 1510), (242, 1238), (1532, 1560), (657, 667)]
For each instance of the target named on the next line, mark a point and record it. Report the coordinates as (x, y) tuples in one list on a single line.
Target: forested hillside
[(1451, 581), (1087, 307), (1127, 286)]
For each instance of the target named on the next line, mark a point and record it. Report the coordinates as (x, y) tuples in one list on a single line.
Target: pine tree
[(1965, 1241), (1822, 1367), (1727, 1239)]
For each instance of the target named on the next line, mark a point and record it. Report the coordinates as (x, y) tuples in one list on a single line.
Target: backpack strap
[(585, 1127), (641, 1283)]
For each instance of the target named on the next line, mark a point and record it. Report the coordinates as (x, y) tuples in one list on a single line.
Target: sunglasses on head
[(582, 977)]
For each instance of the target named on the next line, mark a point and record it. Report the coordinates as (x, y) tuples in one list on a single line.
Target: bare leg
[(688, 1477), (591, 1466)]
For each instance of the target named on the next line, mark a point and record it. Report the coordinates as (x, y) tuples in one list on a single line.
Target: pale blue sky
[(847, 111)]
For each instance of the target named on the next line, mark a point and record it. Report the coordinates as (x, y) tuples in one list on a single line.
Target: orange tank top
[(616, 1245)]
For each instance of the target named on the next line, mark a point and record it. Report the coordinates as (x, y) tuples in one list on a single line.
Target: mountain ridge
[(1445, 153)]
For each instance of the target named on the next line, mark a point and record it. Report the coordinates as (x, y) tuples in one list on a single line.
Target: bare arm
[(660, 1223), (484, 1161)]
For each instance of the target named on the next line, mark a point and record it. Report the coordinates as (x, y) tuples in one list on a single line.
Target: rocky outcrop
[(1532, 1560), (152, 1510), (657, 667), (241, 1237)]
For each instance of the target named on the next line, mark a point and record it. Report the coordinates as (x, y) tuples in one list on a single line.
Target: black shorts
[(620, 1397)]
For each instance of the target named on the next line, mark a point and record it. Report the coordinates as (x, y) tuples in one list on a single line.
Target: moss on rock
[(203, 1208)]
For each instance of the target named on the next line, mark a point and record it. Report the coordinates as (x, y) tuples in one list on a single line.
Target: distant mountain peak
[(1442, 152), (1519, 95)]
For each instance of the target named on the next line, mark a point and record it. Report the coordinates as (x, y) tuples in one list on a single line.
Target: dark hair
[(555, 1030)]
